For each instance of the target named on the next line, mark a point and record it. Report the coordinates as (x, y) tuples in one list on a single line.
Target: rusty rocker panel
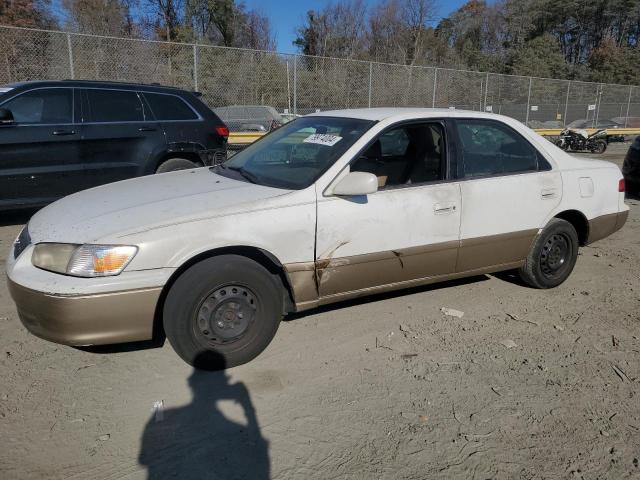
[(334, 279)]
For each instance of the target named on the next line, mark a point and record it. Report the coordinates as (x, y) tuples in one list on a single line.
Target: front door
[(405, 232), (39, 151)]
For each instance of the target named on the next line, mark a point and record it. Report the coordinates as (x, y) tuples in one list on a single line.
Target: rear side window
[(489, 148), (115, 106), (169, 107), (43, 105)]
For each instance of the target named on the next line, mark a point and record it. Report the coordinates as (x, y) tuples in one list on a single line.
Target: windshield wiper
[(245, 173)]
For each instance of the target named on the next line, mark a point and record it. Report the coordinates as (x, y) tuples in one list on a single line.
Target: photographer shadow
[(197, 441)]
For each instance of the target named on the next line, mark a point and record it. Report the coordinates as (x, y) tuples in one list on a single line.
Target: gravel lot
[(527, 384)]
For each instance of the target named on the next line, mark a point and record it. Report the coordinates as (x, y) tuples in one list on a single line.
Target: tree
[(338, 30), (540, 57), (99, 17), (26, 13), (224, 22)]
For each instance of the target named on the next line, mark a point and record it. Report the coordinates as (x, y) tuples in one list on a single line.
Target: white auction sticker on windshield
[(323, 139)]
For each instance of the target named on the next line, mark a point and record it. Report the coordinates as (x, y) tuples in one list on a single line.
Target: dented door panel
[(389, 237)]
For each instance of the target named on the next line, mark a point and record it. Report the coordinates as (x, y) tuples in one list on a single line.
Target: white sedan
[(331, 206)]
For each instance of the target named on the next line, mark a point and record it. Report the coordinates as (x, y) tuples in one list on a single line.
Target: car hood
[(146, 203)]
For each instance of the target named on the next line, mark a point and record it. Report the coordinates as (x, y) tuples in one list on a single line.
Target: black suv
[(59, 137)]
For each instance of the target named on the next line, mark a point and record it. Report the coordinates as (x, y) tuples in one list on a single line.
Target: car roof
[(379, 114), (95, 83)]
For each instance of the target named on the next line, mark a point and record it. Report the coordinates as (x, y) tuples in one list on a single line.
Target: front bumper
[(97, 319)]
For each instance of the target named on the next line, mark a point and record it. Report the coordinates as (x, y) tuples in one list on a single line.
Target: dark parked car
[(250, 118), (59, 137), (631, 167)]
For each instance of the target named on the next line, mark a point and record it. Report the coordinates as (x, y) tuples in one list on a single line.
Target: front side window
[(406, 155), (169, 107), (295, 155), (115, 106), (43, 105), (489, 148)]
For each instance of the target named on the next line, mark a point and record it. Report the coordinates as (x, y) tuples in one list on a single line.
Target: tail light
[(223, 131), (621, 186)]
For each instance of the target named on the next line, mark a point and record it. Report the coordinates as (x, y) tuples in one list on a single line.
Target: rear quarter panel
[(592, 191)]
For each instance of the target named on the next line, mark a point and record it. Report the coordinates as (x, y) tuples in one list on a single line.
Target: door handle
[(147, 129), (440, 209), (547, 193), (64, 132)]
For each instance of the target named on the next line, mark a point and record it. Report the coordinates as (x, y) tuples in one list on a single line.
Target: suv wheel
[(552, 257), (223, 312), (174, 164)]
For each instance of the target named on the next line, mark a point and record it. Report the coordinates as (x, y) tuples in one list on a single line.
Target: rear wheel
[(552, 257), (223, 312), (174, 164), (599, 146)]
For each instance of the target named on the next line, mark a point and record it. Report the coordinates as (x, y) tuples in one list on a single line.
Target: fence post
[(195, 67), (626, 119), (486, 90), (70, 50), (598, 102), (526, 122), (435, 83), (566, 105), (295, 84), (370, 81)]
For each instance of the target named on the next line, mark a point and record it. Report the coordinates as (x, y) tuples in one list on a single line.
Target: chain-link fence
[(302, 84)]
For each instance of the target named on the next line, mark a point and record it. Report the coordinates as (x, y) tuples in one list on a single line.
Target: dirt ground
[(527, 384)]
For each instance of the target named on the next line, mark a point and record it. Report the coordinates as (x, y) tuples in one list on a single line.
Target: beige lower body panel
[(116, 317), (333, 279), (604, 225)]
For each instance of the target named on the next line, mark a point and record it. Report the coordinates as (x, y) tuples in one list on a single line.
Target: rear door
[(508, 192), (39, 152), (119, 136)]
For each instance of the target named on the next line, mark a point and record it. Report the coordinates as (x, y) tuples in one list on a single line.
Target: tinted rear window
[(115, 106), (169, 107)]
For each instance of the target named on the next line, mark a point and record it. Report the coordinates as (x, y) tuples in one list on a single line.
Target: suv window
[(489, 148), (405, 155), (169, 107), (115, 106), (43, 105)]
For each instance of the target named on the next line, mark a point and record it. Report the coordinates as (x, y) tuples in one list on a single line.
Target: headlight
[(83, 260)]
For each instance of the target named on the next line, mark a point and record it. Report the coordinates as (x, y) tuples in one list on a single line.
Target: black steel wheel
[(552, 256), (225, 315), (555, 255)]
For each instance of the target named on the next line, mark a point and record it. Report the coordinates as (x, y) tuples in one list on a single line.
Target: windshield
[(295, 155)]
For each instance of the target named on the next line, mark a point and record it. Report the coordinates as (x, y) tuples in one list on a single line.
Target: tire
[(552, 256), (174, 164), (599, 147), (223, 312)]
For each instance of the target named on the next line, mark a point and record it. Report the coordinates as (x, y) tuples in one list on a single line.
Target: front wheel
[(599, 146), (552, 257), (223, 312)]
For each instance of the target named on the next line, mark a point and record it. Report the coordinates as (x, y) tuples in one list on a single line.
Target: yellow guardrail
[(240, 139), (554, 132), (243, 138)]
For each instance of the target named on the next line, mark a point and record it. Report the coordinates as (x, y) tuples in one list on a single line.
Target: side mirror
[(356, 183), (6, 117)]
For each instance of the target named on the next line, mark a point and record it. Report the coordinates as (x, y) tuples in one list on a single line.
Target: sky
[(285, 15)]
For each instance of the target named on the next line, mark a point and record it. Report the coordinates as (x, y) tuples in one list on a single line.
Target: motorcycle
[(579, 140)]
